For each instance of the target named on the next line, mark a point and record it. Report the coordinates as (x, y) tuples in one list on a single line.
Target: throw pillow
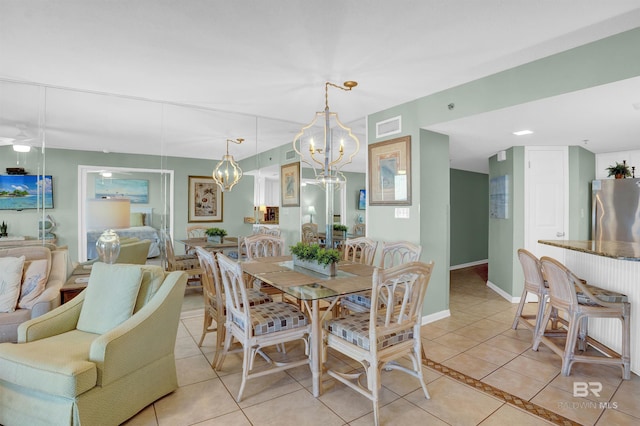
[(110, 297), (10, 278), (34, 281), (136, 219)]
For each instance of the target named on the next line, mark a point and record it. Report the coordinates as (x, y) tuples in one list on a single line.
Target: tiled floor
[(476, 340)]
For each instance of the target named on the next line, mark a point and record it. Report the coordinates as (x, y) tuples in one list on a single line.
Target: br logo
[(582, 389)]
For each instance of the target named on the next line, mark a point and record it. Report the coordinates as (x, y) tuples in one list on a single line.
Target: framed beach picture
[(290, 185), (136, 190), (205, 200), (390, 172)]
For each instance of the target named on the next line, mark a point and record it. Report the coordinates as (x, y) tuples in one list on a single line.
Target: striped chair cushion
[(600, 293), (272, 317), (355, 329), (186, 262)]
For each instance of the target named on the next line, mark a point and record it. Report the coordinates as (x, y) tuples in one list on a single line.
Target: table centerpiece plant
[(340, 229), (316, 258), (215, 235)]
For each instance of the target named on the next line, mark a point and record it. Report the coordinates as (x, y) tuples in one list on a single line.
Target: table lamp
[(311, 211), (108, 214)]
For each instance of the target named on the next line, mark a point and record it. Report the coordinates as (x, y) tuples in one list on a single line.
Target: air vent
[(290, 155), (388, 127)]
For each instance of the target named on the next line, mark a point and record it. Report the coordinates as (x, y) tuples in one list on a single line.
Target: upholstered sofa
[(49, 299), (99, 358)]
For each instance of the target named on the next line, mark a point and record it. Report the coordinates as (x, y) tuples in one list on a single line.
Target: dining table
[(208, 245), (310, 287)]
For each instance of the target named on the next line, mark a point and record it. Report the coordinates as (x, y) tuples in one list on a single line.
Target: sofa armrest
[(149, 335), (59, 320), (48, 300)]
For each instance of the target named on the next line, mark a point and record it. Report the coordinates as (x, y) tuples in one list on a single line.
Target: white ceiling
[(124, 75)]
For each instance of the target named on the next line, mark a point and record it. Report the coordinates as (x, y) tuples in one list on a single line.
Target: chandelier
[(326, 145), (227, 173)]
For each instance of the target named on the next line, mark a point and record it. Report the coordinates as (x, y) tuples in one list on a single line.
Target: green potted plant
[(3, 229), (340, 229), (619, 171), (215, 235), (316, 258)]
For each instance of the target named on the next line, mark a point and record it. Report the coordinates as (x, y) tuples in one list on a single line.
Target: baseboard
[(503, 293), (435, 317), (467, 265)]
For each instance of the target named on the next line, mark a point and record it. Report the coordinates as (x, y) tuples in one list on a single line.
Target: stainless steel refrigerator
[(616, 210)]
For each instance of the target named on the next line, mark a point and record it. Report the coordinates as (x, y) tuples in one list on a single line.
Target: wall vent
[(290, 155), (388, 127)]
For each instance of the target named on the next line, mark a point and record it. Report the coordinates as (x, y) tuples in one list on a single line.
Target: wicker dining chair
[(378, 338), (393, 254), (214, 303), (310, 233), (256, 327)]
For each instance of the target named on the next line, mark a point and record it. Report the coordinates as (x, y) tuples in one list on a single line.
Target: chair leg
[(220, 337), (205, 326), (246, 363), (540, 333), (516, 320), (227, 344), (570, 345), (626, 351), (373, 381)]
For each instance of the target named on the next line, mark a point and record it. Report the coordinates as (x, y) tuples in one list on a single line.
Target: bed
[(140, 216)]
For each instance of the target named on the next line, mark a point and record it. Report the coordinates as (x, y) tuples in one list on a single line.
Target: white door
[(546, 199)]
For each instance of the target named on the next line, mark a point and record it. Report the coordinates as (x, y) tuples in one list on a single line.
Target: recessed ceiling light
[(523, 132)]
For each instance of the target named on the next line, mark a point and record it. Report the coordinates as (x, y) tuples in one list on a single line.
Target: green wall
[(604, 61), (469, 217), (63, 166)]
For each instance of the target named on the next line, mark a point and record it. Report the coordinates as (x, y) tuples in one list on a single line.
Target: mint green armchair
[(59, 373)]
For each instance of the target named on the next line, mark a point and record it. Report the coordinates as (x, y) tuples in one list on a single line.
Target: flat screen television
[(362, 199), (20, 192)]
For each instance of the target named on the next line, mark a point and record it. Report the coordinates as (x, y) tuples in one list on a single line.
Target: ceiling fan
[(20, 142)]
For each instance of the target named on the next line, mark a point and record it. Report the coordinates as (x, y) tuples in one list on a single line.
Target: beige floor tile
[(510, 381), (581, 410), (349, 404), (520, 333), (400, 412), (438, 352), (146, 417), (402, 383), (470, 365), (566, 383), (195, 403), (508, 344), (491, 325), (544, 355), (456, 341), (451, 324), (627, 396), (186, 347), (431, 332), (531, 368), (237, 418), (307, 410), (455, 403), (262, 388), (491, 354), (509, 415), (478, 334), (194, 369), (618, 418)]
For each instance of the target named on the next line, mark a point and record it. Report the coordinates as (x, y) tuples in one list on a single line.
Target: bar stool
[(534, 283), (581, 301)]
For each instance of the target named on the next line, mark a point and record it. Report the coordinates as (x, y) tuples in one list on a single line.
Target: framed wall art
[(205, 200), (290, 185), (136, 190), (390, 172)]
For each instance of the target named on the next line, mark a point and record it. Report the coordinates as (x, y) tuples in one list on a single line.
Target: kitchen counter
[(613, 249)]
